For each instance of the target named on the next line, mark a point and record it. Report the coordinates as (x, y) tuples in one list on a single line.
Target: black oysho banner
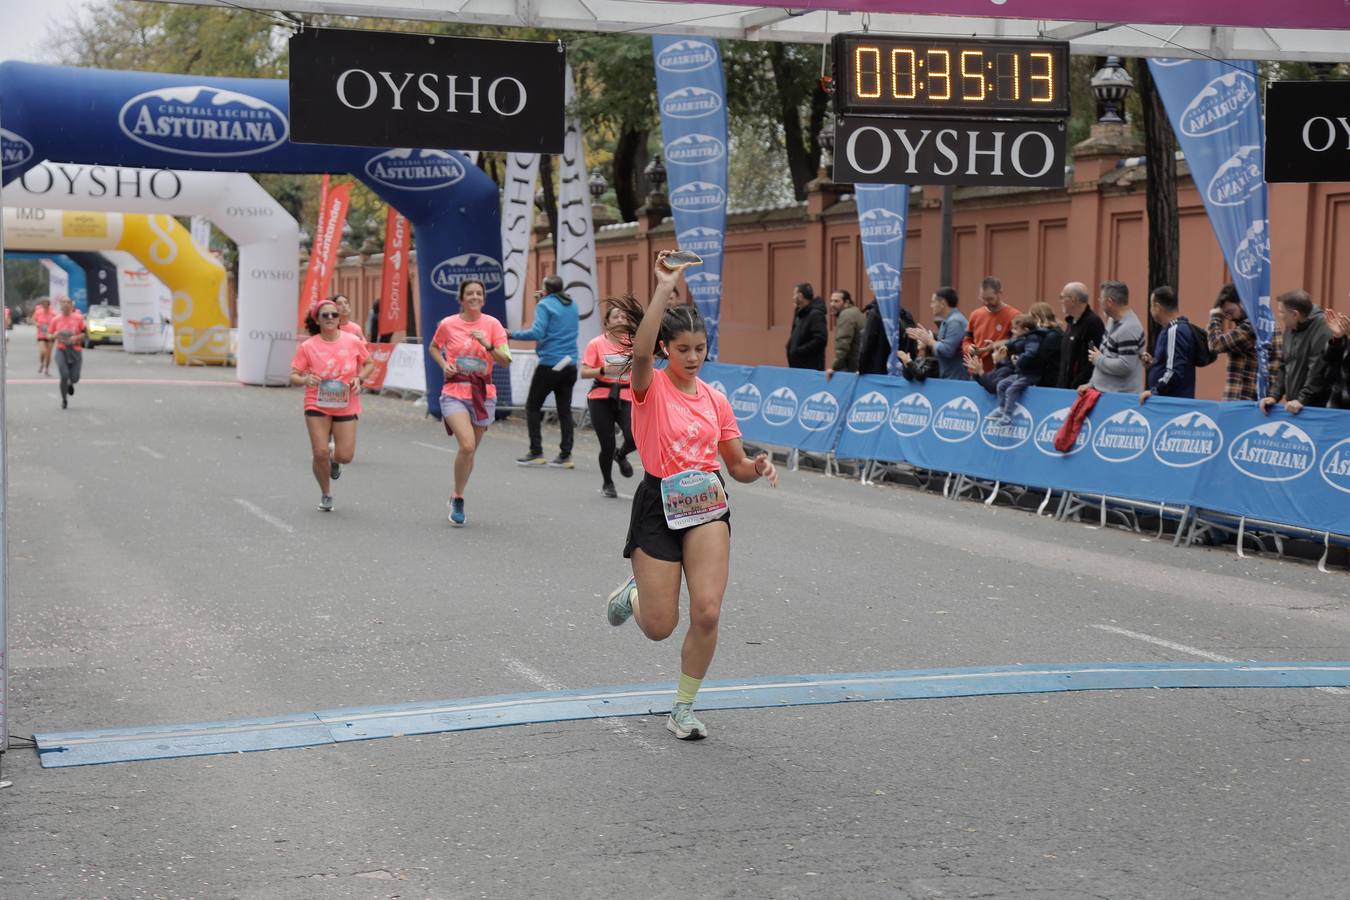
[(878, 150), (1308, 131), (371, 88)]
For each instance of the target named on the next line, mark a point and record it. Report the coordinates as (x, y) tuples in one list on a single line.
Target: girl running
[(611, 400), (42, 315), (344, 305), (465, 346), (681, 523), (331, 365)]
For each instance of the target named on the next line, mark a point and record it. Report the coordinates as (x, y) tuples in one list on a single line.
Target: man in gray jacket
[(848, 329), (1297, 383), (1116, 366)]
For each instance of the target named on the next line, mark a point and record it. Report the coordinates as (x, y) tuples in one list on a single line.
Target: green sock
[(688, 688)]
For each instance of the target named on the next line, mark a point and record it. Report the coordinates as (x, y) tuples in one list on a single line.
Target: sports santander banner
[(323, 255), (394, 274), (1253, 13), (1216, 114), (881, 223), (692, 94)]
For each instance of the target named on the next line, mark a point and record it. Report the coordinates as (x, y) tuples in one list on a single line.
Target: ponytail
[(677, 320)]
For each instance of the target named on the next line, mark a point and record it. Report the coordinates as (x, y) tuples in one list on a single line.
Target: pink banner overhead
[(1238, 13)]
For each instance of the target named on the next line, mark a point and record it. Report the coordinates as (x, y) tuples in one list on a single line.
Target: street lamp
[(1111, 84), (825, 139), (597, 184), (656, 174)]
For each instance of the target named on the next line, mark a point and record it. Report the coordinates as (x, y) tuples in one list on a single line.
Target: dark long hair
[(311, 318), (677, 320)]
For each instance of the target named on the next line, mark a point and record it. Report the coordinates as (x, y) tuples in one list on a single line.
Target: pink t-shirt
[(455, 342), (676, 431), (602, 351), (41, 317), (74, 323), (337, 363), (353, 328)]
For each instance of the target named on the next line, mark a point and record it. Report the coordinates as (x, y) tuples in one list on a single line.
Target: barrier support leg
[(1103, 507), (1326, 551), (993, 495), (1181, 526), (1242, 528), (1040, 510), (793, 460)]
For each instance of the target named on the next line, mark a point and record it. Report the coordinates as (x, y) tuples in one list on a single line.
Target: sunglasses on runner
[(329, 315)]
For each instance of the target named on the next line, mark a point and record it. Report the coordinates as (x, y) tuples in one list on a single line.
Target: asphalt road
[(168, 565)]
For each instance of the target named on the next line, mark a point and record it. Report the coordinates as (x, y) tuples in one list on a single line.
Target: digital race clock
[(891, 75)]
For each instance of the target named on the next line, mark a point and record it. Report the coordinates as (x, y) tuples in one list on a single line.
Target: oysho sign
[(1307, 131), (876, 150), (363, 88)]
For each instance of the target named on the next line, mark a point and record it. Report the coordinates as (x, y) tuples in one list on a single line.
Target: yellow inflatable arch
[(201, 315)]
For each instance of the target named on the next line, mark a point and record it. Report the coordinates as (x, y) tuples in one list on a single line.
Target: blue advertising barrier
[(1225, 457), (158, 120), (692, 89)]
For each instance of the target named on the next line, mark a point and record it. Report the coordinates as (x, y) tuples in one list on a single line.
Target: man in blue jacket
[(555, 335), (1171, 367)]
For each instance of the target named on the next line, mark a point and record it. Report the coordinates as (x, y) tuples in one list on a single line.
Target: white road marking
[(534, 676), (152, 453), (1193, 651), (435, 447), (264, 515)]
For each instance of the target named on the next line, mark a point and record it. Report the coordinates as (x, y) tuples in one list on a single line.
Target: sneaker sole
[(692, 735), (609, 603), (533, 462), (554, 465)]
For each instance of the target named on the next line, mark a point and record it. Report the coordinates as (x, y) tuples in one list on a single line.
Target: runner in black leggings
[(611, 400)]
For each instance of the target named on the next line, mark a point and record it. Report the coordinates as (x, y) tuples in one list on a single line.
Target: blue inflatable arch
[(78, 287), (154, 120)]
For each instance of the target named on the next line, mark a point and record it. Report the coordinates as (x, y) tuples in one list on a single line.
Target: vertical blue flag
[(1216, 115), (881, 223), (692, 95)]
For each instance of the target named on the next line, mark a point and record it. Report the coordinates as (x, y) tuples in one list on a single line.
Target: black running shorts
[(647, 527)]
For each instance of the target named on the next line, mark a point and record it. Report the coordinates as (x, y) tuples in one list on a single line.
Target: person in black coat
[(1334, 377), (876, 347), (806, 344), (1052, 343)]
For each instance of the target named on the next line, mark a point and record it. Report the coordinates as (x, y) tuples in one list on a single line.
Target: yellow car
[(103, 325)]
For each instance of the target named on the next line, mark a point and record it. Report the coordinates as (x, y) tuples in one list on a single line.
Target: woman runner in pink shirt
[(465, 346), (611, 400), (681, 522), (331, 365), (344, 305)]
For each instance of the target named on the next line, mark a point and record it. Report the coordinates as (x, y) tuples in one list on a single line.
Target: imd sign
[(363, 88)]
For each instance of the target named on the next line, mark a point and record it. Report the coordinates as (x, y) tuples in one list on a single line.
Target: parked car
[(104, 324)]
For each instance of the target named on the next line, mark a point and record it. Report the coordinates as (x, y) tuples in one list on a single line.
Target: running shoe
[(334, 470), (619, 607), (70, 389), (64, 402), (562, 462), (457, 511), (326, 503), (683, 724), (608, 490), (532, 459), (625, 467)]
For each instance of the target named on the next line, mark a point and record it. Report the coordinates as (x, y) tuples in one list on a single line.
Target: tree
[(1160, 156)]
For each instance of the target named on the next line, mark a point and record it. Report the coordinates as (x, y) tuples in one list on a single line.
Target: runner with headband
[(681, 522), (331, 365), (611, 400), (465, 346)]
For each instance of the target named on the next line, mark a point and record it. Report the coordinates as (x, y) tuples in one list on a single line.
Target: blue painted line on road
[(83, 748)]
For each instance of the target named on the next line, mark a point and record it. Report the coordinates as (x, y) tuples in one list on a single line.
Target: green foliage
[(25, 280)]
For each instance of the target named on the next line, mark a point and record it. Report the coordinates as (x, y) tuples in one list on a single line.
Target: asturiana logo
[(745, 401), (686, 56), (415, 170), (884, 278), (199, 120), (691, 103), (819, 411), (698, 196), (1188, 440), (1238, 178), (911, 414), (1010, 433), (1044, 437), (1219, 105), (718, 386), (704, 285), (867, 413), (450, 273), (780, 407), (694, 150), (1122, 437), (705, 241), (1275, 451), (14, 150), (1254, 251), (956, 420), (1336, 466), (881, 226)]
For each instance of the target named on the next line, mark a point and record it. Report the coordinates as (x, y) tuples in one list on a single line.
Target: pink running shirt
[(353, 329), (74, 323), (339, 360), (41, 316), (600, 352), (453, 339), (676, 432)]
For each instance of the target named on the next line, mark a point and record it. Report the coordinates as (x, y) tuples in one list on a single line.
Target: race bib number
[(692, 498), (332, 394), (471, 365)]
